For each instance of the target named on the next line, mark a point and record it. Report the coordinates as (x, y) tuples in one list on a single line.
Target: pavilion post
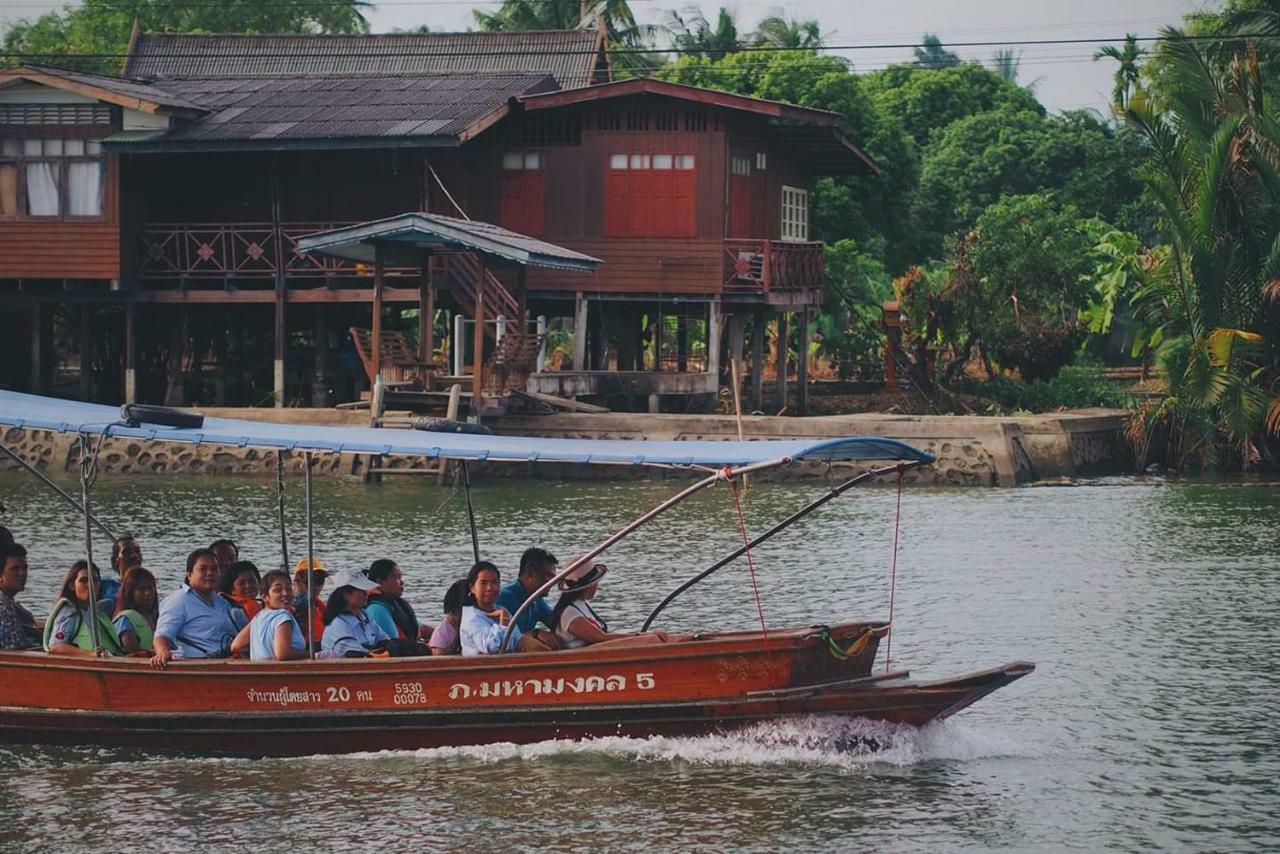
[(379, 264), (426, 312), (580, 332), (780, 391), (320, 378), (130, 353), (477, 338)]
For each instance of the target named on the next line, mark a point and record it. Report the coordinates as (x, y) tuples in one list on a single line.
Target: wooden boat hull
[(299, 708)]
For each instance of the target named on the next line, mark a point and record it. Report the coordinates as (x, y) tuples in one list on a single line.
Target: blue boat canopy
[(65, 416)]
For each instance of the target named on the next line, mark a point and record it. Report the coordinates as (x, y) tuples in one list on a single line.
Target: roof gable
[(133, 94), (573, 57)]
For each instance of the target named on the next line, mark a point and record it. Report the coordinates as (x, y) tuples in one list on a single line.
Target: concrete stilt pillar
[(130, 353), (715, 330), (780, 391), (758, 324)]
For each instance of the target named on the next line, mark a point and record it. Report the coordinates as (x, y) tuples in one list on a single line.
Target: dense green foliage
[(93, 35)]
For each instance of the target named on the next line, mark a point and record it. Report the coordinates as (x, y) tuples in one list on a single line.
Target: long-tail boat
[(694, 684)]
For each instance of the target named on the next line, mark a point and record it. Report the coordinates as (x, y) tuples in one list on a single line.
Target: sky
[(1067, 77)]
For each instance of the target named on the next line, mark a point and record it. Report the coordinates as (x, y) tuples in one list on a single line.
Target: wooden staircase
[(462, 271)]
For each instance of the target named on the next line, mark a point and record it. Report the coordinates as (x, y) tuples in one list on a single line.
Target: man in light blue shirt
[(537, 567), (195, 622)]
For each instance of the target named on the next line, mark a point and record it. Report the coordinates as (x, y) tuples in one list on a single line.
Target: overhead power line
[(646, 50)]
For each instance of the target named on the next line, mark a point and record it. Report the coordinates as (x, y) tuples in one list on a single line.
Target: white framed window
[(795, 213), (51, 178), (762, 161), (740, 165), (515, 161)]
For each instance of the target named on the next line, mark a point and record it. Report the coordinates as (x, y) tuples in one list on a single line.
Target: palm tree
[(691, 34), (778, 31), (1215, 173), (1129, 73), (933, 56), (618, 19), (1006, 63)]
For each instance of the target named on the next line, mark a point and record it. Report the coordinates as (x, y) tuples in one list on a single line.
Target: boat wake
[(842, 743)]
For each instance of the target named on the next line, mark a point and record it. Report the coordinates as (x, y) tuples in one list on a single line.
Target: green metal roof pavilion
[(403, 239)]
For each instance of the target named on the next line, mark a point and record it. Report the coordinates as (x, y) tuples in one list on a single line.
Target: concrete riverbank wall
[(971, 450)]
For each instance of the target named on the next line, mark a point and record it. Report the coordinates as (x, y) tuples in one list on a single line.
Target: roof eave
[(162, 146), (47, 77)]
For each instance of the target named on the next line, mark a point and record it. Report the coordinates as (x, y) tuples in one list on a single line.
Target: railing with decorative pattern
[(238, 250), (772, 265)]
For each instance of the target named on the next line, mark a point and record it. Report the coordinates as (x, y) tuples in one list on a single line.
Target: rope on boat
[(751, 566), (893, 571), (857, 647)]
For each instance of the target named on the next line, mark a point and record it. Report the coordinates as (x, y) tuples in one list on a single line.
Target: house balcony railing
[(241, 250), (762, 266)]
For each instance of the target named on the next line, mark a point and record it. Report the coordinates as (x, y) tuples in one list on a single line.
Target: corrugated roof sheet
[(568, 55), (405, 236), (140, 89), (298, 109)]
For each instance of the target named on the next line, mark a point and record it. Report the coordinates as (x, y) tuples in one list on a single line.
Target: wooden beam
[(379, 273)]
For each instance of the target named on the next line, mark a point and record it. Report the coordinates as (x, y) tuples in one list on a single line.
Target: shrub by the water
[(1075, 387)]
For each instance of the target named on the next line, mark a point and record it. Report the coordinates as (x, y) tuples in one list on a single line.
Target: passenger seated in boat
[(445, 640), (274, 633), (17, 626), (125, 554), (577, 623), (300, 609), (137, 609), (388, 607), (227, 553), (240, 586), (537, 567), (195, 622), (348, 631), (68, 631)]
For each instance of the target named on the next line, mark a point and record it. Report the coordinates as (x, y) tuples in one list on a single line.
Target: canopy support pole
[(471, 512), (379, 266), (311, 595), (80, 508), (88, 464), (284, 534), (834, 492), (727, 473)]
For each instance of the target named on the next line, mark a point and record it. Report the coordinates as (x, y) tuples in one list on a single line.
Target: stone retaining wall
[(971, 450)]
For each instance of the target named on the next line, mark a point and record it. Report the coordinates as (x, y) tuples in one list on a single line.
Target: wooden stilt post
[(802, 364), (477, 345), (86, 351), (281, 328), (379, 265), (784, 344), (758, 324), (37, 348), (130, 353)]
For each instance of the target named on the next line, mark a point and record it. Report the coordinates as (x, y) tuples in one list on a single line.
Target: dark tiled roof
[(568, 55), (138, 89), (395, 108)]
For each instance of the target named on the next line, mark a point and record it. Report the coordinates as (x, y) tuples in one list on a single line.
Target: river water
[(1151, 722)]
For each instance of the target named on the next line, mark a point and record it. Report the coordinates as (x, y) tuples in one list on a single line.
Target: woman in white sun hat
[(577, 624)]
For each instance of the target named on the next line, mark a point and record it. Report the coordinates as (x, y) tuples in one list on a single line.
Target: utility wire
[(629, 50)]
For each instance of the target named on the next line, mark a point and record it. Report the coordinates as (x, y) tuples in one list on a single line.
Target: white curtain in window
[(84, 186), (42, 189)]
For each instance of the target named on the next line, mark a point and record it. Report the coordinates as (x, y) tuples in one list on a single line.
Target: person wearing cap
[(300, 610), (577, 623), (348, 631), (537, 567)]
